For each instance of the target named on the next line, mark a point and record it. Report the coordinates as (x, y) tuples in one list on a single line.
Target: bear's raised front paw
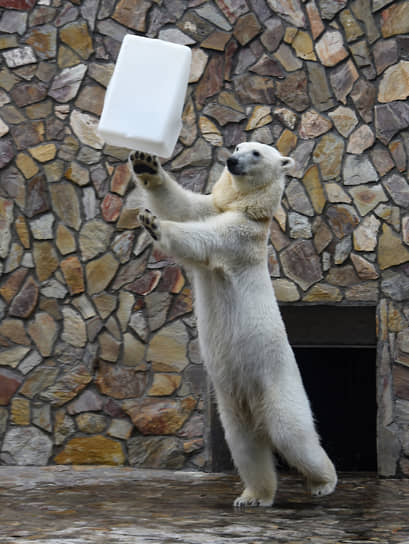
[(143, 163), (151, 223), (247, 498)]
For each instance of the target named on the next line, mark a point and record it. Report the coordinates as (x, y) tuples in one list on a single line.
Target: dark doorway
[(335, 349)]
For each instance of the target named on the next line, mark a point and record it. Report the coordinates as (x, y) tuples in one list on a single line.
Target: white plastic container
[(144, 99)]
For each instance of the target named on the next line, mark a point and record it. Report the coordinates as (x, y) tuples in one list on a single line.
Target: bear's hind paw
[(248, 499)]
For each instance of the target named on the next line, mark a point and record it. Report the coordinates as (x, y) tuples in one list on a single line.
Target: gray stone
[(398, 188), (42, 228), (321, 95), (19, 56), (66, 83), (290, 10), (88, 401), (385, 54), (395, 284), (26, 446), (329, 8), (391, 119), (297, 198), (209, 12), (273, 34), (364, 98), (6, 152), (358, 169), (299, 226), (94, 238), (13, 21), (301, 155)]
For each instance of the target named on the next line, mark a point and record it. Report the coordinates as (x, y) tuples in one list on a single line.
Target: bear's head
[(253, 180), (254, 165)]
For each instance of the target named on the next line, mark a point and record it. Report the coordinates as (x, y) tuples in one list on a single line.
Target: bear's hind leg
[(253, 458)]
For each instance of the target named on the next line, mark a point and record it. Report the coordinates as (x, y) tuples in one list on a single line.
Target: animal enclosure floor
[(79, 505)]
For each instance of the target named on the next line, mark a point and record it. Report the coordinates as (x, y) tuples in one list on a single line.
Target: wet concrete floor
[(79, 505)]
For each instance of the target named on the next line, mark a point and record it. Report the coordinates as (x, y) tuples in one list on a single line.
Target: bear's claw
[(143, 163), (151, 223)]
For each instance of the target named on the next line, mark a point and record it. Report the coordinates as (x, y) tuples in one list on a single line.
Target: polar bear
[(222, 238)]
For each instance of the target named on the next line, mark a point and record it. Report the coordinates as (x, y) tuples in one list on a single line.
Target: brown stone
[(120, 179), (13, 329), (303, 46), (255, 89), (395, 20), (28, 93), (286, 142), (25, 302), (343, 219), (301, 263), (342, 276), (312, 183), (320, 92), (76, 36), (111, 207), (157, 416), (119, 382), (322, 237), (217, 40), (285, 290), (267, 66), (12, 285), (246, 28), (145, 284), (43, 330), (109, 347), (73, 275), (394, 84), (364, 97), (364, 268), (20, 411), (93, 450), (293, 91), (351, 27), (364, 292), (133, 352), (10, 381), (100, 273), (26, 165), (45, 259), (401, 381), (366, 198), (211, 81), (156, 452), (37, 200), (22, 231), (314, 17)]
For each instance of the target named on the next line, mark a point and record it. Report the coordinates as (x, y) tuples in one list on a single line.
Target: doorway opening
[(335, 348)]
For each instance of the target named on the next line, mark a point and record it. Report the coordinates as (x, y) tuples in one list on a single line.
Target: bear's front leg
[(146, 167), (151, 224)]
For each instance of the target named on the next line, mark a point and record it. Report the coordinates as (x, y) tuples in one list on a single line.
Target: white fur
[(222, 238)]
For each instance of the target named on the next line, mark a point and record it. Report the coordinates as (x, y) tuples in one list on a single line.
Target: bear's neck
[(258, 204)]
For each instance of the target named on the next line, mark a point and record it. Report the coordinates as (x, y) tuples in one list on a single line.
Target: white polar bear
[(222, 238)]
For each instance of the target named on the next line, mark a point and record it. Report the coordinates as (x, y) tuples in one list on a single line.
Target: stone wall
[(99, 360)]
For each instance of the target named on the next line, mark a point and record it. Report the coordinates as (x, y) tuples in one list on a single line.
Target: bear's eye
[(237, 148), (256, 153)]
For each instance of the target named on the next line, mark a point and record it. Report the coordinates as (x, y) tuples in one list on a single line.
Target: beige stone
[(287, 59), (345, 120), (73, 275), (43, 330), (313, 124), (100, 272), (395, 20), (365, 235), (65, 240), (22, 231), (93, 450), (20, 411), (164, 384), (65, 204), (322, 292), (360, 140), (45, 259), (74, 331), (394, 84), (364, 292), (77, 37), (167, 349), (336, 193), (312, 183), (391, 251), (330, 48), (260, 116), (43, 152), (351, 26), (133, 352), (365, 269), (105, 304), (303, 46), (366, 198), (91, 423), (77, 174), (285, 290), (198, 65), (109, 347), (210, 132), (26, 165), (286, 142), (13, 356)]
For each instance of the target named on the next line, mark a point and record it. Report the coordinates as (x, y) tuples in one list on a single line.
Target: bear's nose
[(232, 163)]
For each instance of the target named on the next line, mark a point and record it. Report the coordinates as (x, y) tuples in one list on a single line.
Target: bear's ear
[(287, 163)]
